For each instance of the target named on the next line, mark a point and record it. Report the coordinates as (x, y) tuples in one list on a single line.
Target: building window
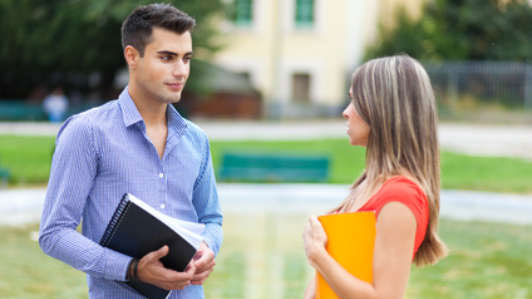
[(304, 13), (301, 87), (243, 12)]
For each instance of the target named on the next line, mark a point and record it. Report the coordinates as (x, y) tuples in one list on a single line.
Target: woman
[(392, 114)]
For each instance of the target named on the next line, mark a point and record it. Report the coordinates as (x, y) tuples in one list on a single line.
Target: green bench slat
[(4, 177), (15, 110), (273, 167)]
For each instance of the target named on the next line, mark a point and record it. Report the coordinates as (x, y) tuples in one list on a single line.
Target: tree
[(54, 42), (460, 30)]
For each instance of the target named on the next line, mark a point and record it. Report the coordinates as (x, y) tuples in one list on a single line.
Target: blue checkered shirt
[(103, 153)]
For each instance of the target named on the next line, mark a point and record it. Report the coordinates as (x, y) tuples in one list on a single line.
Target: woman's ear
[(132, 56)]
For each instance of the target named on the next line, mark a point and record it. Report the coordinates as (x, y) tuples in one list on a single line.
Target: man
[(138, 144), (56, 105)]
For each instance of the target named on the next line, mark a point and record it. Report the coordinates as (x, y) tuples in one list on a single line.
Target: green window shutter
[(243, 12), (304, 13)]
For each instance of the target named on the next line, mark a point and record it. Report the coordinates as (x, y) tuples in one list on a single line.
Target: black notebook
[(137, 229)]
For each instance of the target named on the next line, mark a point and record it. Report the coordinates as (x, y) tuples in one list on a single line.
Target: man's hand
[(203, 262), (151, 270)]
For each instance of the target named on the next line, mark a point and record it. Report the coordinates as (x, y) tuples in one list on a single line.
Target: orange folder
[(350, 241)]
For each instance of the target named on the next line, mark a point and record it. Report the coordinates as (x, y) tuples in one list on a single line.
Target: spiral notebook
[(136, 229)]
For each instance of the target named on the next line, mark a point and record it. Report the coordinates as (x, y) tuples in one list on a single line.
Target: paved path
[(19, 206), (514, 141)]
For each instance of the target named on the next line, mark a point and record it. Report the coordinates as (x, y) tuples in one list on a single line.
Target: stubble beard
[(169, 97)]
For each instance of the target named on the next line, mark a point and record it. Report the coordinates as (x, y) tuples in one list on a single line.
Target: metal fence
[(459, 86), (505, 83)]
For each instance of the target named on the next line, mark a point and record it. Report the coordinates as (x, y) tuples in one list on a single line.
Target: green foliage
[(460, 30), (52, 42)]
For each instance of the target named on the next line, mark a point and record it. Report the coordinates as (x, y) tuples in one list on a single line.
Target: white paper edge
[(190, 231)]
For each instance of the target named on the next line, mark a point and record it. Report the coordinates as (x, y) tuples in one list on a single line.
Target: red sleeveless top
[(400, 189)]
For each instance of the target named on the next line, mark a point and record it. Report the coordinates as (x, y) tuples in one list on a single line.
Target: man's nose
[(180, 69)]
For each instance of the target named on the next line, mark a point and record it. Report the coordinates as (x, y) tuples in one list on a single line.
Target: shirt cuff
[(116, 265), (210, 243), (212, 235)]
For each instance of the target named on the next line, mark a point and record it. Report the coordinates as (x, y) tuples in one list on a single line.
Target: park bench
[(4, 176), (273, 167), (18, 110)]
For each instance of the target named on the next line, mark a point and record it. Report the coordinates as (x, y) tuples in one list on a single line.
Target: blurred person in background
[(136, 144), (393, 114), (56, 105)]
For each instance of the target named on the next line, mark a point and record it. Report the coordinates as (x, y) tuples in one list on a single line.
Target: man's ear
[(132, 56)]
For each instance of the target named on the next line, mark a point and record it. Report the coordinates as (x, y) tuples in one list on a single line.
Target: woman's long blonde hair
[(394, 96)]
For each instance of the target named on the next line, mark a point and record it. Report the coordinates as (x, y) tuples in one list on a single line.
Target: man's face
[(163, 70)]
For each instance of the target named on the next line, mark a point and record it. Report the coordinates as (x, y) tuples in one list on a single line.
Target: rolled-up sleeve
[(74, 167), (205, 200)]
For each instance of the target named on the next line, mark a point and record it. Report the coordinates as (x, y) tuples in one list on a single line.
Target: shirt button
[(163, 206), (161, 175)]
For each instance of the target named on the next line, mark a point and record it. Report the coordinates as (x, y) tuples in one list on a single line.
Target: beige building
[(302, 51)]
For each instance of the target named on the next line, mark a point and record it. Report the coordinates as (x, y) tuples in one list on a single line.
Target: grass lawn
[(262, 257), (28, 159)]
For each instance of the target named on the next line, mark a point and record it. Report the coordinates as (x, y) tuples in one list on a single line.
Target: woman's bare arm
[(310, 291)]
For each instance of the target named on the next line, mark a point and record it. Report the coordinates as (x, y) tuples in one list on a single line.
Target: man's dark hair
[(138, 26)]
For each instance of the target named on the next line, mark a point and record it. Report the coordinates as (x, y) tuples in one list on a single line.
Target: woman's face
[(357, 128)]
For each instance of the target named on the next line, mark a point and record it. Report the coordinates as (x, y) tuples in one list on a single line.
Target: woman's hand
[(314, 239)]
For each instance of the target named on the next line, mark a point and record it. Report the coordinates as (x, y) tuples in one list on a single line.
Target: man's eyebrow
[(167, 53), (173, 53)]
